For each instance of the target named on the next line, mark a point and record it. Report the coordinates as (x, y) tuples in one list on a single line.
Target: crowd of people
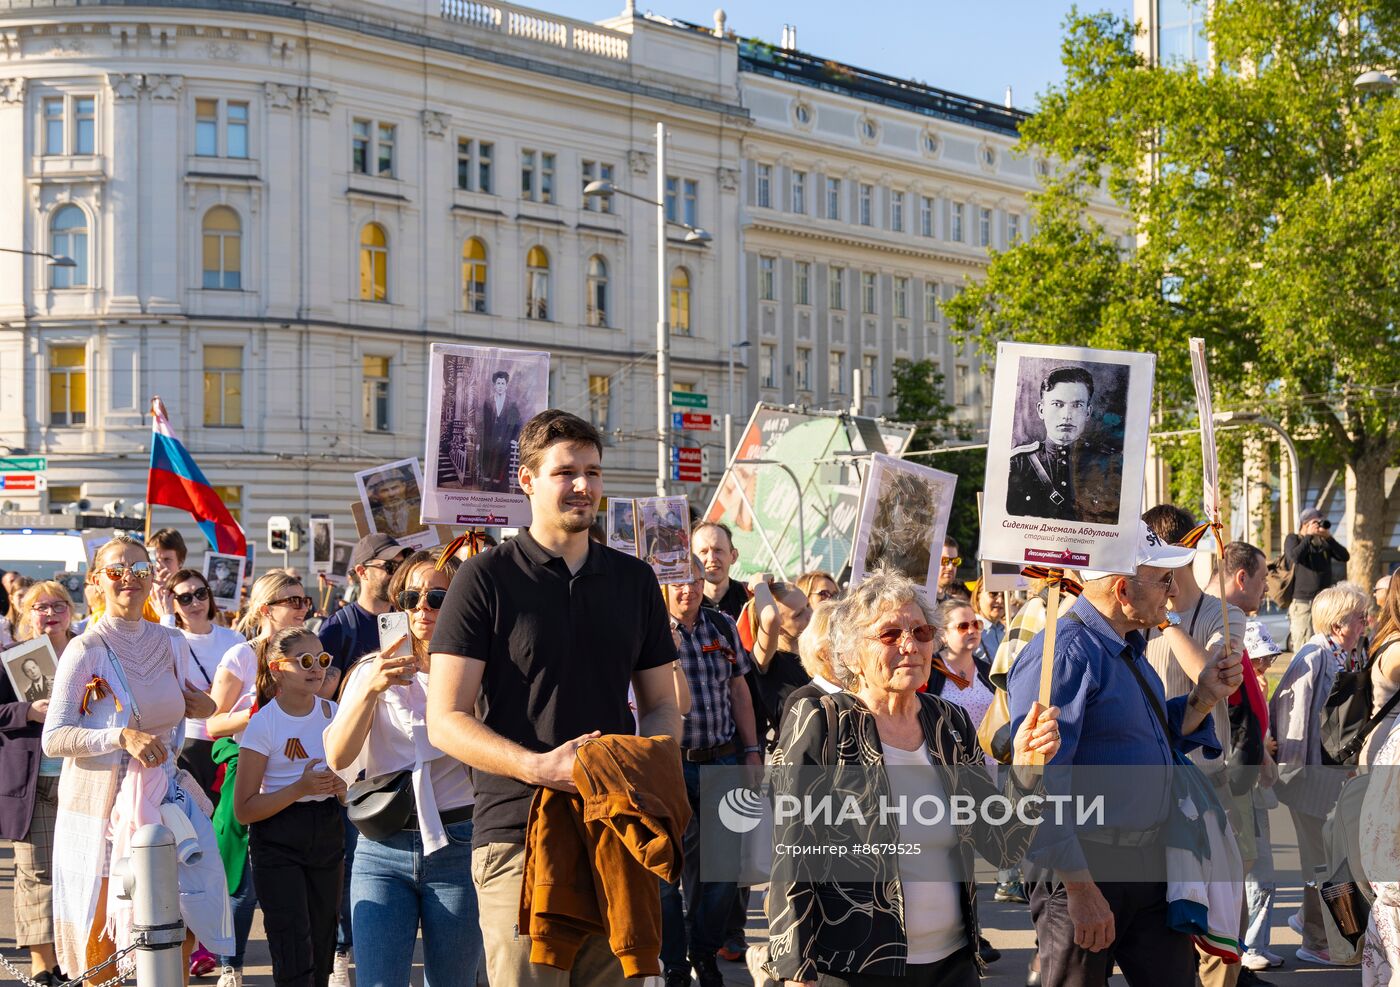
[(501, 748)]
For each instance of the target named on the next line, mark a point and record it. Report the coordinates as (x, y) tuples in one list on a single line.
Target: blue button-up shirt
[(711, 657), (1105, 719)]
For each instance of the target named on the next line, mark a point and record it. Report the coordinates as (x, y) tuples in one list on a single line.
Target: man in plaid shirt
[(719, 730)]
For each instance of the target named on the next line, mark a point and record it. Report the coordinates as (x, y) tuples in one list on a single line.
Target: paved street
[(1007, 926)]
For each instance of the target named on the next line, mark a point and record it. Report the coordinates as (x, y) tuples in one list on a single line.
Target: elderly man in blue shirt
[(1114, 711)]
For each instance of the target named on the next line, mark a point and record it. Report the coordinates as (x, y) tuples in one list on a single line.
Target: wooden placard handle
[(1047, 653)]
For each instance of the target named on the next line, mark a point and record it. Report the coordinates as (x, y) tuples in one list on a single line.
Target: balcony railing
[(532, 25)]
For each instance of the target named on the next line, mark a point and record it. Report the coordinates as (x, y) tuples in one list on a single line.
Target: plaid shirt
[(711, 657)]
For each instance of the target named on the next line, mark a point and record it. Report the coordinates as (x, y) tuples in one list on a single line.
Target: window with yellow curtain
[(474, 276), (68, 385), (374, 264), (680, 302), (223, 249), (223, 386), (537, 284)]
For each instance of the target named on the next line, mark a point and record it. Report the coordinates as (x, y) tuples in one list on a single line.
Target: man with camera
[(1311, 552)]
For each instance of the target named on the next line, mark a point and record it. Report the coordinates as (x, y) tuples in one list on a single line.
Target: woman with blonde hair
[(276, 602), (27, 817), (119, 700)]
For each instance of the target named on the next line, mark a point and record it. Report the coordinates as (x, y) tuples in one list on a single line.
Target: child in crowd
[(288, 799)]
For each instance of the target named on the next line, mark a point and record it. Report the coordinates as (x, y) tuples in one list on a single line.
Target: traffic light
[(279, 534)]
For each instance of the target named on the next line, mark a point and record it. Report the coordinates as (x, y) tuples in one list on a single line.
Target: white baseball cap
[(1258, 642), (1151, 550)]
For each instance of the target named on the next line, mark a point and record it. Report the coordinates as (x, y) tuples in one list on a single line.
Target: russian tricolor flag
[(175, 481)]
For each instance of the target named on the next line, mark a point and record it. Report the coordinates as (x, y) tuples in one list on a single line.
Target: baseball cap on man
[(372, 547), (1311, 514), (1151, 550), (1258, 642)]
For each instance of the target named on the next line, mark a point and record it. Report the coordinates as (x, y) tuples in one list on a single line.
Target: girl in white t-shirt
[(288, 800)]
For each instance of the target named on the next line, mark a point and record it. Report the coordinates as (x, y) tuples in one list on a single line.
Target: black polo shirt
[(560, 651), (733, 600)]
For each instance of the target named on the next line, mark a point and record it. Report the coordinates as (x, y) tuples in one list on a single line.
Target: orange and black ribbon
[(96, 691), (474, 539), (1193, 537), (940, 665), (1067, 582)]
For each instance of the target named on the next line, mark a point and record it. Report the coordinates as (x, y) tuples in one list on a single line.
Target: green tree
[(919, 393), (1265, 201)]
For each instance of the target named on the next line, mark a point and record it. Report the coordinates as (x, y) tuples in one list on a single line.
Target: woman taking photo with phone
[(288, 800), (420, 874), (118, 702)]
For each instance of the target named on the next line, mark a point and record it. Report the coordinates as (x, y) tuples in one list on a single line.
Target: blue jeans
[(244, 902), (394, 889), (1259, 887), (695, 926), (344, 934)]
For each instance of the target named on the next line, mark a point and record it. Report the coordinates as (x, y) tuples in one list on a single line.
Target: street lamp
[(729, 403), (1374, 81), (693, 234), (57, 260), (1290, 518)]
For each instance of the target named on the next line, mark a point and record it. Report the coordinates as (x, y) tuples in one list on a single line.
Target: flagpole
[(155, 404)]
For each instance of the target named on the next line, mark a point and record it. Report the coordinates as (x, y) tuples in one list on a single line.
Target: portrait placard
[(320, 543), (392, 496), (224, 574), (1210, 461), (339, 572), (663, 537), (31, 667), (1066, 453), (1002, 577), (622, 524), (903, 518), (478, 399)]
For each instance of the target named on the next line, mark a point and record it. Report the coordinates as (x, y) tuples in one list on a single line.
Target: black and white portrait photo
[(322, 537), (1067, 447), (392, 496), (31, 667), (225, 576), (479, 397), (340, 562), (1067, 460), (622, 524), (903, 518)]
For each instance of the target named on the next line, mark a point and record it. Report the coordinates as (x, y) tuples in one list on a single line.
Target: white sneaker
[(340, 972), (1252, 960), (1274, 959), (230, 978), (1295, 922)]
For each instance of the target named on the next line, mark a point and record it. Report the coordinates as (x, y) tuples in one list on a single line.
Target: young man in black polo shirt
[(541, 637)]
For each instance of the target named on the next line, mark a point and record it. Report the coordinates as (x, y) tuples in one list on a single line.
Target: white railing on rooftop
[(531, 25)]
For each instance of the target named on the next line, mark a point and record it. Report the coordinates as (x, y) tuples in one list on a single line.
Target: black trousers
[(957, 970), (1146, 950), (298, 857), (197, 757)]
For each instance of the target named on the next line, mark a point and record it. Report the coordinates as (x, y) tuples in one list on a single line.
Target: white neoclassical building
[(274, 208)]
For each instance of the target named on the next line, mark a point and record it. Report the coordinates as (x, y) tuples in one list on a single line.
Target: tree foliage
[(1264, 198)]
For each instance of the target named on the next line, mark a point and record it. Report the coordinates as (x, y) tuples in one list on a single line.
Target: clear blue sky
[(973, 47)]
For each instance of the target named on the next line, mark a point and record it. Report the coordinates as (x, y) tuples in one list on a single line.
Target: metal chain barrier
[(80, 979)]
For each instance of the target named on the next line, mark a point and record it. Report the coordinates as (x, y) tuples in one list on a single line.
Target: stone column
[(164, 245), (121, 220)]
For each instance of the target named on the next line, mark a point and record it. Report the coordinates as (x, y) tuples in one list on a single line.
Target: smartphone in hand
[(394, 634)]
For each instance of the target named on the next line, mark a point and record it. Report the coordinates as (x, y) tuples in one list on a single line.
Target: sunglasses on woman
[(307, 660), (185, 599), (893, 635), (409, 599), (137, 570), (963, 626), (295, 602)]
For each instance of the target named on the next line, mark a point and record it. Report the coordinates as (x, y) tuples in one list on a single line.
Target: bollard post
[(150, 881)]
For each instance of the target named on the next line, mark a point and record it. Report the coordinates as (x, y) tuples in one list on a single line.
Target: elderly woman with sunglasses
[(891, 916), (419, 876), (119, 702)]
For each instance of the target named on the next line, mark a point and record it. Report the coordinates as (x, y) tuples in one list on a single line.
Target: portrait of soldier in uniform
[(393, 500), (1068, 471), (500, 429)]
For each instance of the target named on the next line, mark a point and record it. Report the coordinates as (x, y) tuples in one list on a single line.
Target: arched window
[(223, 249), (374, 264), (680, 302), (474, 276), (597, 293), (537, 284), (68, 237)]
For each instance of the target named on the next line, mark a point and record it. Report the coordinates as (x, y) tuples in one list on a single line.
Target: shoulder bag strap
[(1381, 713), (121, 677), (1146, 690)]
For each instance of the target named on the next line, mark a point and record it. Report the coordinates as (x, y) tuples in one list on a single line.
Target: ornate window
[(223, 249), (537, 284), (597, 291), (474, 276), (374, 264), (68, 237)]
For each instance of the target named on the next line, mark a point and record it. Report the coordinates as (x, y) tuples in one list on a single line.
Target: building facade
[(274, 210)]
